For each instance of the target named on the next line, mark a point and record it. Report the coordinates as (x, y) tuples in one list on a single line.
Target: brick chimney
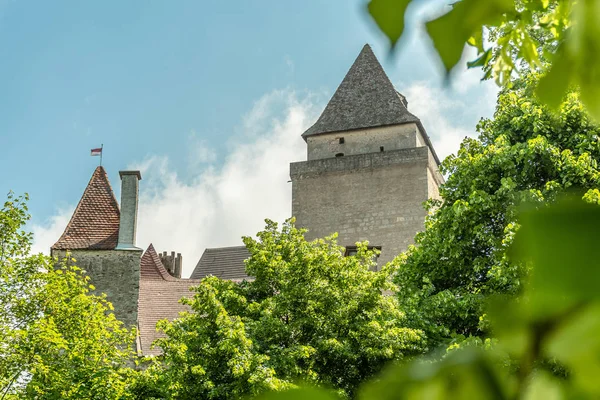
[(129, 208)]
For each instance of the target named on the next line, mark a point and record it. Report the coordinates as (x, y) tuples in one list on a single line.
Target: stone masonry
[(116, 273), (370, 166), (375, 196)]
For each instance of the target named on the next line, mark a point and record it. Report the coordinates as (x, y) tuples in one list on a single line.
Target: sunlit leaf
[(543, 387), (452, 30), (389, 16)]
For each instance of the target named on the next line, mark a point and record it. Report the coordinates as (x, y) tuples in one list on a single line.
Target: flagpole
[(101, 148)]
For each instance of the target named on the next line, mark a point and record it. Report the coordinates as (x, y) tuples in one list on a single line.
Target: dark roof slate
[(159, 299), (224, 263), (94, 224), (366, 98)]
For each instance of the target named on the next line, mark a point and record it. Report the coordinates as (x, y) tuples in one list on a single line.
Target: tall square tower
[(370, 166)]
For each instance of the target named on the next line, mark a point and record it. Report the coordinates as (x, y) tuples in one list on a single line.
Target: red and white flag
[(97, 152)]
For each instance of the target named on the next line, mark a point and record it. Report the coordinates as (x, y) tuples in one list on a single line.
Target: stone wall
[(362, 141), (376, 197), (116, 273)]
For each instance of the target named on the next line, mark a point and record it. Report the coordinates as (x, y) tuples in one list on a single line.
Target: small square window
[(341, 140)]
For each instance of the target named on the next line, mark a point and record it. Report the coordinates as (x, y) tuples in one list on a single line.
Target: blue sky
[(179, 88)]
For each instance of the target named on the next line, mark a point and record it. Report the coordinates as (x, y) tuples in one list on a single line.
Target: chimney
[(129, 207), (173, 264)]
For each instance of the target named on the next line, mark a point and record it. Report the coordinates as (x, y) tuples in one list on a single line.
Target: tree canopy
[(309, 315), (525, 153), (57, 340)]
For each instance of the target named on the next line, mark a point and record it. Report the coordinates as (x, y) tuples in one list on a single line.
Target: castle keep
[(370, 166)]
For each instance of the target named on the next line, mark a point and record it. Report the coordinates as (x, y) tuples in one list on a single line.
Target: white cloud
[(227, 199), (199, 152), (230, 197), (449, 114), (289, 63), (225, 202), (47, 233)]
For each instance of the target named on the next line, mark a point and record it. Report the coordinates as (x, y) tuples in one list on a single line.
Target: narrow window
[(341, 140), (380, 148), (339, 155)]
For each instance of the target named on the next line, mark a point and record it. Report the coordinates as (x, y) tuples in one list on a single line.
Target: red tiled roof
[(159, 298), (95, 222)]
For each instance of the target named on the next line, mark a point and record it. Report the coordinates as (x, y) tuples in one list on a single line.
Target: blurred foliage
[(546, 342), (57, 341), (525, 153), (310, 315), (521, 35)]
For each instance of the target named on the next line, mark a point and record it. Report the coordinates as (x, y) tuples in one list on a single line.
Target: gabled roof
[(224, 263), (95, 222), (365, 99), (159, 299)]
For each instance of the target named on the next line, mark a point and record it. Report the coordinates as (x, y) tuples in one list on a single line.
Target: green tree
[(56, 339), (524, 153), (564, 33), (310, 315)]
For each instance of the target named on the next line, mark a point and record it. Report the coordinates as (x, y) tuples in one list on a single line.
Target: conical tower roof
[(95, 222), (365, 99)]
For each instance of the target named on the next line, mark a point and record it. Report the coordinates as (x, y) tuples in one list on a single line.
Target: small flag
[(97, 152)]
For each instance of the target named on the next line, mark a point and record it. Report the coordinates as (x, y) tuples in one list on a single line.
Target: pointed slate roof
[(366, 98), (95, 222), (159, 299)]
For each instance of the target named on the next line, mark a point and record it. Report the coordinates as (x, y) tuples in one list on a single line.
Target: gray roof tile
[(366, 98), (224, 263)]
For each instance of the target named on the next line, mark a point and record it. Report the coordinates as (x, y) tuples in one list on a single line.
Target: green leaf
[(299, 394), (451, 31), (561, 242), (576, 344), (554, 84), (482, 60), (544, 387), (468, 373), (389, 16), (477, 40)]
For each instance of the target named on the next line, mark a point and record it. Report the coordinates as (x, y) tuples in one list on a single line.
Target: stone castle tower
[(370, 166), (101, 238)]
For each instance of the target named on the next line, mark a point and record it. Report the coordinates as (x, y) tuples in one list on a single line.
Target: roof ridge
[(80, 234), (225, 247), (211, 263)]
